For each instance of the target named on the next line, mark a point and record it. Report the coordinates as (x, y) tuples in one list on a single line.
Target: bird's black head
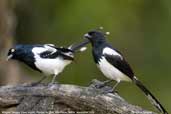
[(11, 53), (16, 52), (95, 37)]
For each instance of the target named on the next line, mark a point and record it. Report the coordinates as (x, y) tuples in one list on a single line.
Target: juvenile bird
[(114, 66), (46, 58)]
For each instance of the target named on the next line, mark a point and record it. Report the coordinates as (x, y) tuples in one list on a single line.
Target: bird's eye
[(12, 50)]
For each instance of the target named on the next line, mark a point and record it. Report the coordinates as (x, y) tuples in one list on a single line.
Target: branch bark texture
[(63, 98)]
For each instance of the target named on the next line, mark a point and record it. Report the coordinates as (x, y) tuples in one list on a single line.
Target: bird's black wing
[(120, 63), (53, 55), (56, 52)]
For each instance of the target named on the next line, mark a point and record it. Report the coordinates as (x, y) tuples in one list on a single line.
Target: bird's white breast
[(51, 66), (111, 72)]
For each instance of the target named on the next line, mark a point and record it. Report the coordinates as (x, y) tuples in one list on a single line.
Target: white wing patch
[(110, 51), (47, 47), (38, 50)]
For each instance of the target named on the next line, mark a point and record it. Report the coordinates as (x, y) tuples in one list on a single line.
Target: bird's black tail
[(76, 47), (150, 96)]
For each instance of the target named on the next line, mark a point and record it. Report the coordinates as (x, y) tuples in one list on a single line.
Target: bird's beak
[(9, 57), (87, 36)]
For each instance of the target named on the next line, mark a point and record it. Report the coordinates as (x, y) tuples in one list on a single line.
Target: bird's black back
[(24, 54)]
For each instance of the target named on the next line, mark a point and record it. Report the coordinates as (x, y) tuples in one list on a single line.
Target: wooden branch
[(63, 98)]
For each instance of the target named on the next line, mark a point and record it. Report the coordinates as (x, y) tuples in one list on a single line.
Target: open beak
[(9, 57)]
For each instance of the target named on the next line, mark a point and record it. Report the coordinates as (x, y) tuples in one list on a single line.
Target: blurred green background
[(140, 29)]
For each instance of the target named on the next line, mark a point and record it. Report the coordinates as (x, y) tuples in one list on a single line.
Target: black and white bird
[(114, 66), (46, 58)]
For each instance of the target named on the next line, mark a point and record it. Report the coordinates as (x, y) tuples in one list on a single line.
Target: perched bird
[(114, 66), (46, 58)]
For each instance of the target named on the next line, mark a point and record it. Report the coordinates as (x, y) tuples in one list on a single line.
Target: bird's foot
[(38, 82), (108, 90), (53, 83), (102, 87), (98, 84)]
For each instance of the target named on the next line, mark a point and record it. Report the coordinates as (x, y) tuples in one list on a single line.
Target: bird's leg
[(103, 84), (98, 84), (43, 78), (113, 89), (53, 80), (38, 82)]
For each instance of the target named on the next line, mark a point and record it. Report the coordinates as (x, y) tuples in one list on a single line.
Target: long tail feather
[(150, 96)]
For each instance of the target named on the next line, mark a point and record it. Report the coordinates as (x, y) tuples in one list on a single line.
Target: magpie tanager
[(46, 58), (114, 66)]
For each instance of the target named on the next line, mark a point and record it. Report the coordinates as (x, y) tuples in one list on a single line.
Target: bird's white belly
[(111, 72), (51, 66)]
